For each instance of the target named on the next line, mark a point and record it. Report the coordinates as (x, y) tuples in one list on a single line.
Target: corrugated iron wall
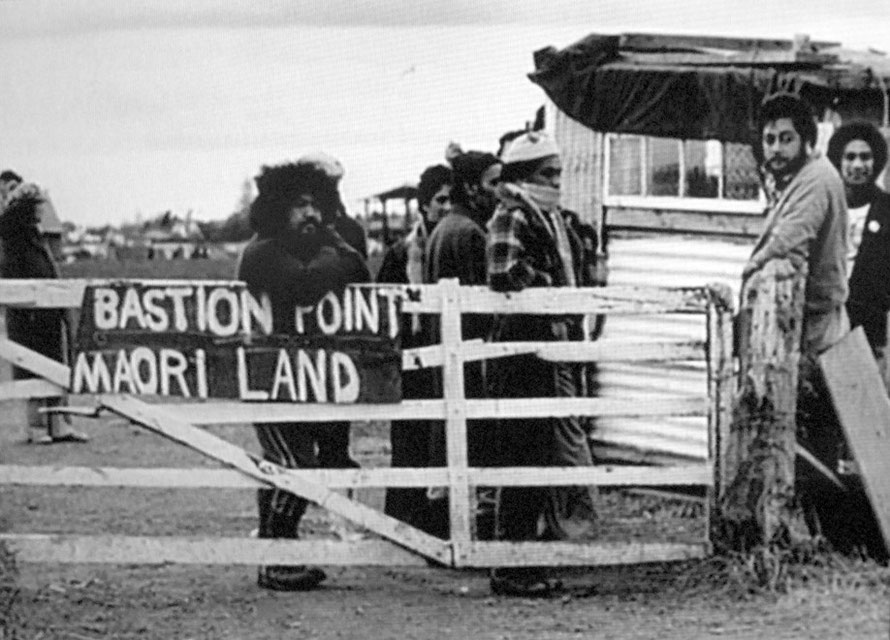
[(660, 259), (656, 258), (582, 168)]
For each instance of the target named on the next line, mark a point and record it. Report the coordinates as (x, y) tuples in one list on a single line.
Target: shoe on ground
[(290, 578), (524, 584), (42, 438), (70, 436)]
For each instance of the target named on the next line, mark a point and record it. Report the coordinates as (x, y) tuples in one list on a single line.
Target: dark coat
[(456, 249), (869, 299), (269, 266), (413, 441), (353, 233), (26, 255)]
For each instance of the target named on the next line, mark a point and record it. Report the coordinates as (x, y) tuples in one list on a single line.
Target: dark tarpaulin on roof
[(592, 82)]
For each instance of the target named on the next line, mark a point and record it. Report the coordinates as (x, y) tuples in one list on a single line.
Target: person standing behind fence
[(46, 331), (532, 242), (295, 258), (859, 152), (806, 228), (806, 219), (348, 228), (333, 447), (456, 249), (403, 263)]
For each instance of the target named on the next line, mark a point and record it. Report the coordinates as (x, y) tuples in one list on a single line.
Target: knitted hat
[(534, 145)]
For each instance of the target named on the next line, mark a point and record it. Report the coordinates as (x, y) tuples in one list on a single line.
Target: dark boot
[(524, 582), (290, 578)]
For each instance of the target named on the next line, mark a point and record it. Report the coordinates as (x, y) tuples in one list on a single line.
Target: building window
[(669, 168)]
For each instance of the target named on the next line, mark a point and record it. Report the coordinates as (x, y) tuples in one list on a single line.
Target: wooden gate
[(395, 543)]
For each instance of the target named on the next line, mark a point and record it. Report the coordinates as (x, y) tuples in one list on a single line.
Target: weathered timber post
[(721, 386), (757, 503)]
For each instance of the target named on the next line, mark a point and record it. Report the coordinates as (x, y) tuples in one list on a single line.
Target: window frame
[(679, 202)]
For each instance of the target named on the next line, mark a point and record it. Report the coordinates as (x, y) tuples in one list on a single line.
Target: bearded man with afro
[(295, 258)]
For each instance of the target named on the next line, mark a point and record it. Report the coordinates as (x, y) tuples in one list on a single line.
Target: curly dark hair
[(281, 185), (858, 130), (468, 169), (431, 180), (787, 105)]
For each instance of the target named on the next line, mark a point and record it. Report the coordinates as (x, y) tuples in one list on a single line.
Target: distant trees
[(236, 227)]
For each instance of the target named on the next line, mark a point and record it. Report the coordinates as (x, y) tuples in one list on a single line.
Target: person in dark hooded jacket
[(46, 331), (296, 258)]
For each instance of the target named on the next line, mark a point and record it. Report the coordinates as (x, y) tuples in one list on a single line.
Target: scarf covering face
[(545, 200)]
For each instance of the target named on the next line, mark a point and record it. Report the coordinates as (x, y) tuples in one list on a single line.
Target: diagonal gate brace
[(167, 424)]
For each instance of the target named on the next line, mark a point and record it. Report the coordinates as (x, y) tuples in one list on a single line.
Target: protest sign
[(216, 340)]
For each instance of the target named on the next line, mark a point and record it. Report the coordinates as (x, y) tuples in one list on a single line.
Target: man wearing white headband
[(532, 242)]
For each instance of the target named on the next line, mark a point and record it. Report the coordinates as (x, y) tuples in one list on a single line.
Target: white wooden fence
[(397, 544)]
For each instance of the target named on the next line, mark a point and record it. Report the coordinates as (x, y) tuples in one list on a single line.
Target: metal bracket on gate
[(86, 412)]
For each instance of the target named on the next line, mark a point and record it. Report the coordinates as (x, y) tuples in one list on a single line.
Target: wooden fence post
[(721, 386), (757, 504), (460, 503)]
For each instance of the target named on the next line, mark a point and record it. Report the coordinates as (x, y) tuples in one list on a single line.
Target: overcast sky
[(122, 108)]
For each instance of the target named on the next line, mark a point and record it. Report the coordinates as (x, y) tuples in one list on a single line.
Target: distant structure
[(169, 237), (384, 226)]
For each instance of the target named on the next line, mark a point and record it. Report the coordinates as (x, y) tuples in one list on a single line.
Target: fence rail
[(178, 419)]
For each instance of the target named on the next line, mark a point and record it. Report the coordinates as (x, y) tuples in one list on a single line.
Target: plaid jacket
[(522, 251)]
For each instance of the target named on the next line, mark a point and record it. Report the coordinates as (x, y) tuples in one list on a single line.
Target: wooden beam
[(55, 372), (796, 59), (424, 298), (722, 385), (605, 350), (693, 222), (171, 426), (585, 300), (77, 549), (665, 41), (197, 478), (862, 405), (757, 505), (562, 554), (461, 504), (82, 549), (228, 412), (35, 388)]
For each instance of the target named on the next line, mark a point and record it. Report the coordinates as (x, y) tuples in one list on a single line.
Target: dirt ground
[(114, 601)]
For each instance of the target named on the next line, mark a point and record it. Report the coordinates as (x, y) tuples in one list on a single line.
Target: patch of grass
[(776, 571), (9, 593), (210, 269)]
